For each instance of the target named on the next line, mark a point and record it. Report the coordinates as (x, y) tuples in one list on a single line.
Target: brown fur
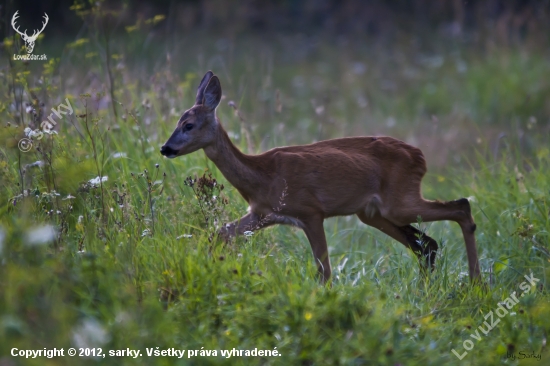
[(376, 178)]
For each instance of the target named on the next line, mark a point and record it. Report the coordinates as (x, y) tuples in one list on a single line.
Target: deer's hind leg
[(408, 209), (423, 246)]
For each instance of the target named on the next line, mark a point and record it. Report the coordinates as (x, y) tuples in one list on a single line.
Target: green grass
[(119, 273)]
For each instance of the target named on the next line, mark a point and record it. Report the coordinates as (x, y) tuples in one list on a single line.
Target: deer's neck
[(241, 170)]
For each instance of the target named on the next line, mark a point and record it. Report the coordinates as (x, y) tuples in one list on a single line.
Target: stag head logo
[(29, 40)]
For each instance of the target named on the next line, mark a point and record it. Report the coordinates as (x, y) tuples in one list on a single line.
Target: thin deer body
[(376, 178)]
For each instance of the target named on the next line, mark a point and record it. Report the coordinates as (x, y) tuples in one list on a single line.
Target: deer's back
[(352, 153), (342, 175)]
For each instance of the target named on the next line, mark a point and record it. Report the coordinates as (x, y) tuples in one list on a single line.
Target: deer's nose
[(167, 151)]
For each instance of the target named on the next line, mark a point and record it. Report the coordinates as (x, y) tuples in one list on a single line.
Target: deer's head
[(196, 129), (29, 40)]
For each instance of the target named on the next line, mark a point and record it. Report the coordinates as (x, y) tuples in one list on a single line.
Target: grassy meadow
[(132, 260)]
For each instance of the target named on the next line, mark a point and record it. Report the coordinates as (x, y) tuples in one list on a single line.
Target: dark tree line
[(504, 19)]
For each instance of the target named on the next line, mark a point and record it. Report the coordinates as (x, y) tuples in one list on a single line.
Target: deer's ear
[(200, 90), (212, 93)]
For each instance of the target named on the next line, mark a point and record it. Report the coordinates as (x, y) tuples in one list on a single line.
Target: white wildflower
[(28, 109), (96, 181), (90, 334), (38, 163), (41, 235), (248, 233), (462, 276), (80, 218), (32, 133), (69, 197), (122, 317), (146, 232), (187, 236), (119, 155)]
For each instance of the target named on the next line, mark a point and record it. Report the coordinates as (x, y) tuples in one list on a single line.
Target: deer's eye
[(188, 127)]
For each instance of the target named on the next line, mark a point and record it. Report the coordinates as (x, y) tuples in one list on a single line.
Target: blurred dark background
[(423, 71), (506, 21)]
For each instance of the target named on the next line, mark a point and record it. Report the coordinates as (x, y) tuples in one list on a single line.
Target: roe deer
[(376, 178)]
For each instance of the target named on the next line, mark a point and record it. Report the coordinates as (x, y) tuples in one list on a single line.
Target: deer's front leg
[(316, 235), (249, 222)]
